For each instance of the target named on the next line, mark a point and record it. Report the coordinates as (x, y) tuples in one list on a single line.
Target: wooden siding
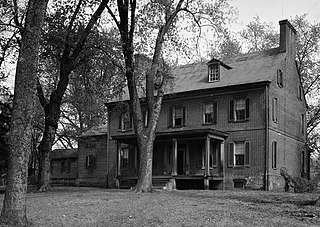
[(96, 146)]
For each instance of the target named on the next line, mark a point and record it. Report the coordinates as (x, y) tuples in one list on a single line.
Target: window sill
[(127, 130), (211, 168), (239, 167), (211, 123), (239, 121)]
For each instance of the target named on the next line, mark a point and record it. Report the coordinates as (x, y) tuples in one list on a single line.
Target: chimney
[(287, 37)]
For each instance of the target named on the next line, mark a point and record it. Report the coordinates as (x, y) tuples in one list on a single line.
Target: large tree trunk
[(14, 205), (45, 149), (52, 114), (145, 166)]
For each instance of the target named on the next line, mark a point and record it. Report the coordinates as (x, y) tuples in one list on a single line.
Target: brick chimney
[(287, 37)]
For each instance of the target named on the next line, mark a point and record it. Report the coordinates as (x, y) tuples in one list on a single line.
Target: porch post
[(118, 164), (174, 162), (223, 164), (175, 157), (207, 164)]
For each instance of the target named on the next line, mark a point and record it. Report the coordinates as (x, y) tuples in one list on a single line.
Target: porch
[(188, 159)]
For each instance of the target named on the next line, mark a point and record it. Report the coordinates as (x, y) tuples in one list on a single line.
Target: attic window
[(214, 72)]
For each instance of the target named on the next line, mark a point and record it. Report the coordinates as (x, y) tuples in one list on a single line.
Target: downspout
[(267, 139), (107, 150)]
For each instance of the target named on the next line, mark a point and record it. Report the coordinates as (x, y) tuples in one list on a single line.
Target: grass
[(67, 206)]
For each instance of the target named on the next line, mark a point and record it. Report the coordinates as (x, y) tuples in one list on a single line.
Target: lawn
[(67, 206)]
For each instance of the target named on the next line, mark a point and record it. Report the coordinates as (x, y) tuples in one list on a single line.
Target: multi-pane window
[(275, 110), (124, 158), (239, 153), (210, 113), (178, 116), (125, 122), (239, 110), (214, 74)]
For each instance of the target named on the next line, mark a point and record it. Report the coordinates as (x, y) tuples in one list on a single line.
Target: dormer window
[(214, 69), (214, 72)]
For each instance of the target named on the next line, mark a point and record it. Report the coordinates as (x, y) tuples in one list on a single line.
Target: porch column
[(118, 164), (175, 157), (207, 164), (223, 164)]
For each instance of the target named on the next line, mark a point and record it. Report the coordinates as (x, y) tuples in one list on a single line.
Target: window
[(239, 110), (239, 153), (125, 122), (178, 116), (275, 110), (274, 155), (302, 124), (210, 113), (90, 162), (280, 77), (124, 158), (214, 74)]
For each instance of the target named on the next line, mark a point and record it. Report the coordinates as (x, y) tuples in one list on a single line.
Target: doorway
[(181, 159)]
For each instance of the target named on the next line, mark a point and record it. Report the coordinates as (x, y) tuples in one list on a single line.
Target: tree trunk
[(14, 205), (52, 114), (145, 166), (45, 149)]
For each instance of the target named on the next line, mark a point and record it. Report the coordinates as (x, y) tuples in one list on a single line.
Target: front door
[(181, 159)]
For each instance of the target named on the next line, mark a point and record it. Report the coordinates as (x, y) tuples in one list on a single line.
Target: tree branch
[(42, 98)]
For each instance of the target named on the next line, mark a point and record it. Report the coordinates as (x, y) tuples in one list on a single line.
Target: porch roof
[(180, 134)]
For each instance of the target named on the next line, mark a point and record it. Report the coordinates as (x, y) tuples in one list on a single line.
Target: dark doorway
[(181, 160)]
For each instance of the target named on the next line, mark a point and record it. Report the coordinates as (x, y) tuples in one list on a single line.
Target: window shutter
[(274, 154), (247, 108), (130, 121), (170, 117), (231, 110), (247, 153), (87, 161), (184, 113), (94, 162), (231, 155), (120, 122), (215, 112)]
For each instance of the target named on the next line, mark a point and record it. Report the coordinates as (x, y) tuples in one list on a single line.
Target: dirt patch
[(71, 206)]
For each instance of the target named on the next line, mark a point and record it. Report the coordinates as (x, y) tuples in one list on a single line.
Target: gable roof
[(243, 69)]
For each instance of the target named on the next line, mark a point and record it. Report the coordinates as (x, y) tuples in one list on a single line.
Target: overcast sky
[(275, 10)]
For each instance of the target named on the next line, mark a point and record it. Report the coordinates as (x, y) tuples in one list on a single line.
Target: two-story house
[(224, 124)]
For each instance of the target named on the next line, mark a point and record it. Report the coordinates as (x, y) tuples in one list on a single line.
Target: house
[(223, 124), (93, 157), (64, 166)]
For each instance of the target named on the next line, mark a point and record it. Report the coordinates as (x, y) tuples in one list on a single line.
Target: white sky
[(274, 10), (269, 11)]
